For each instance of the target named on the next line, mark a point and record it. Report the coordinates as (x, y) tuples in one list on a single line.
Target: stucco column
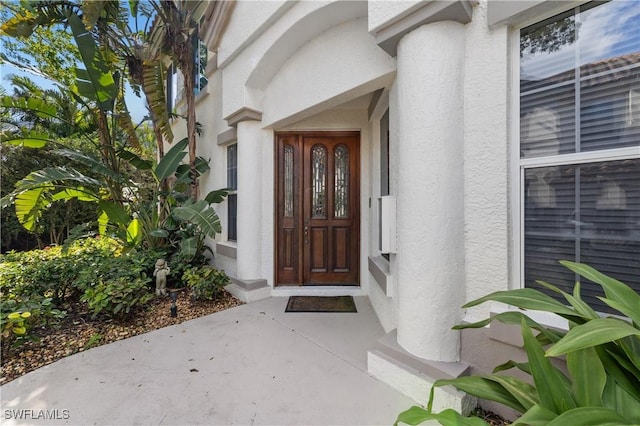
[(249, 238), (430, 260)]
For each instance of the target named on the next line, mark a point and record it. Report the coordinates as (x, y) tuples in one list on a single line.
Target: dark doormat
[(321, 304)]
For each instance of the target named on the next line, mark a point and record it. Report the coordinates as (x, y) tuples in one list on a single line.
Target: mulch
[(78, 332)]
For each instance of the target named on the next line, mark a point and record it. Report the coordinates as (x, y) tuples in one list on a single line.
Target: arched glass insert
[(288, 181), (341, 182), (319, 181)]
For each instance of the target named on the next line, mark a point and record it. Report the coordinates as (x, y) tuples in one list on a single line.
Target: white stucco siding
[(430, 261), (340, 64), (247, 21), (255, 60), (268, 206), (486, 153), (385, 12)]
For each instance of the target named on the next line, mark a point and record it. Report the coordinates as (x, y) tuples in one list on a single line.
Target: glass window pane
[(547, 52), (288, 181), (341, 182), (232, 167), (607, 34), (547, 122), (580, 91), (319, 181), (588, 213), (232, 217), (610, 110)]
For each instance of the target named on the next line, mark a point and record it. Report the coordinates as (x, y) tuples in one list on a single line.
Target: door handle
[(306, 235)]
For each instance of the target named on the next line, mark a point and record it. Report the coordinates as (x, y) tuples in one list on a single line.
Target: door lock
[(306, 235)]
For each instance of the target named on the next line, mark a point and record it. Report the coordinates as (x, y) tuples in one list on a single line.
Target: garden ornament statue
[(161, 272)]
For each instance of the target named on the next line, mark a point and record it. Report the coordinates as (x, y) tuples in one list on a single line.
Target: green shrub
[(602, 355), (54, 272), (205, 282), (19, 317), (117, 297)]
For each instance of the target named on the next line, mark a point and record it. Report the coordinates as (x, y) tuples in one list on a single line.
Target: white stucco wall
[(385, 12), (486, 154), (430, 261), (262, 51), (326, 72), (247, 21)]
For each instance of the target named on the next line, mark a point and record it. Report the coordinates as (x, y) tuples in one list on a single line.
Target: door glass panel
[(288, 181), (341, 203), (319, 181)]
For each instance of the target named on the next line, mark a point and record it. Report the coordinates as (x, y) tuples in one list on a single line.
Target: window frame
[(232, 192), (518, 165)]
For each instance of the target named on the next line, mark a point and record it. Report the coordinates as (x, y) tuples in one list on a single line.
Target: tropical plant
[(99, 89), (205, 282), (172, 35), (602, 356), (118, 297)]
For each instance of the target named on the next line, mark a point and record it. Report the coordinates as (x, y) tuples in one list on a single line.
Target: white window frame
[(519, 165)]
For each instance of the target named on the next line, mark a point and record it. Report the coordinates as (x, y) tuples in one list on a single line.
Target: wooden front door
[(317, 208)]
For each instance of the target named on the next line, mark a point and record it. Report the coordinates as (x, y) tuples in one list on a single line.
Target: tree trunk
[(188, 69)]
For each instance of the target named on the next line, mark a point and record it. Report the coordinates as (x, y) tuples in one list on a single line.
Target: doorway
[(317, 209)]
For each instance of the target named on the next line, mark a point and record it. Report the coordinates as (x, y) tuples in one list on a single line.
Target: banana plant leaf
[(55, 175), (95, 164), (96, 81), (30, 205), (171, 160), (115, 212), (135, 160), (27, 138), (217, 196), (37, 106), (200, 214), (153, 86)]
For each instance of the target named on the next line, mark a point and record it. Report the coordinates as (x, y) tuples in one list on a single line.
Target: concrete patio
[(250, 365)]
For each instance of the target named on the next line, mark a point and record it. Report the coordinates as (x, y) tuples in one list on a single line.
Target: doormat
[(321, 304)]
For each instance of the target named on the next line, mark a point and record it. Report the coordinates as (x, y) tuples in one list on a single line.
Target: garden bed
[(78, 331)]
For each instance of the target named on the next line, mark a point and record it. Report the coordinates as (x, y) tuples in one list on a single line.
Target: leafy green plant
[(57, 272), (602, 355), (205, 282), (16, 323), (117, 297), (19, 317), (94, 340)]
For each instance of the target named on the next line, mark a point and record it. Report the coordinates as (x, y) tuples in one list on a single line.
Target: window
[(384, 172), (232, 199), (200, 60), (580, 146), (172, 88)]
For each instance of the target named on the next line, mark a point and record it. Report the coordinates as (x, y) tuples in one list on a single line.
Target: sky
[(135, 104)]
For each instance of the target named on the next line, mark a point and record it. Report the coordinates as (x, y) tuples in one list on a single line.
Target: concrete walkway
[(254, 364)]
